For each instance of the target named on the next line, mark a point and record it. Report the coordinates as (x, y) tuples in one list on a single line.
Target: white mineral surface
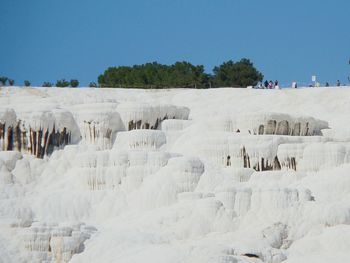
[(173, 176)]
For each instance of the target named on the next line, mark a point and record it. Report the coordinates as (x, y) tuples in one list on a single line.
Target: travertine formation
[(171, 176), (55, 243), (37, 133)]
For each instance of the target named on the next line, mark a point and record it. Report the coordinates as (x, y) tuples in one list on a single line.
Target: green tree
[(26, 83), (62, 83), (92, 85), (47, 84), (11, 82), (74, 83), (236, 74), (3, 80), (154, 75)]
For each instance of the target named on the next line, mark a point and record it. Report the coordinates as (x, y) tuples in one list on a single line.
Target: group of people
[(317, 84), (275, 85), (269, 85)]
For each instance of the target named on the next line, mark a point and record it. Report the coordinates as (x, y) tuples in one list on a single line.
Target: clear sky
[(46, 40)]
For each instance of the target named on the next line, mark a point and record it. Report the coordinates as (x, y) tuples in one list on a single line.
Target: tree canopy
[(74, 83), (236, 74), (181, 75), (155, 75), (47, 84), (3, 80), (92, 85), (62, 83)]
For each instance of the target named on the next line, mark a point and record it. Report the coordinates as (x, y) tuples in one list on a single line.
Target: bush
[(47, 84), (181, 75), (3, 81), (155, 75), (92, 85), (62, 83), (11, 82), (74, 83), (26, 83), (236, 74)]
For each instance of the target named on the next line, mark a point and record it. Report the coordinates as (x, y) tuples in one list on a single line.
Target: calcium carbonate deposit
[(174, 176)]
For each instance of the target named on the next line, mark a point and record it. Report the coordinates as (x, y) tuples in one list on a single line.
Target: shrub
[(26, 83), (47, 84), (74, 83), (62, 83)]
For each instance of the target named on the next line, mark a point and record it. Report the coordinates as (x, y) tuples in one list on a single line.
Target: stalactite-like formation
[(36, 142), (146, 116), (54, 243), (284, 128)]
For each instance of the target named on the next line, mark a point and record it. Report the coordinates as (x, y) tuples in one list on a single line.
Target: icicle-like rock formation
[(244, 151), (37, 132), (313, 156), (145, 116), (140, 140), (8, 121), (55, 243), (267, 124), (118, 170), (98, 123)]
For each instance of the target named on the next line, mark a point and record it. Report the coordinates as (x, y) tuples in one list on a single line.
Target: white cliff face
[(37, 130), (222, 175), (98, 123)]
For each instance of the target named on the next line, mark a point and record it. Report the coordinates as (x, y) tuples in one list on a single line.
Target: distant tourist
[(270, 84), (294, 85), (338, 83), (266, 84), (327, 84), (276, 85)]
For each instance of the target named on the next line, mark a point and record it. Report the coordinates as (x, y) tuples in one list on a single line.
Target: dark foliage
[(155, 75), (3, 80), (47, 84), (62, 83), (26, 83), (236, 74), (181, 75), (92, 85), (74, 83)]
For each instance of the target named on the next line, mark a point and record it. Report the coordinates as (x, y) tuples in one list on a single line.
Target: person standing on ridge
[(270, 84), (276, 85), (266, 84)]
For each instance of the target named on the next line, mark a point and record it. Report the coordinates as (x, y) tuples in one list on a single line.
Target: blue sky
[(46, 40)]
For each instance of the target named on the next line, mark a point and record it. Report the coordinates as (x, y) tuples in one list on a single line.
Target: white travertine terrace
[(36, 131), (218, 175)]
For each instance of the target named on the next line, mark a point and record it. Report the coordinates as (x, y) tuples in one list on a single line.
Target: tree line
[(178, 75), (181, 75), (62, 83)]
